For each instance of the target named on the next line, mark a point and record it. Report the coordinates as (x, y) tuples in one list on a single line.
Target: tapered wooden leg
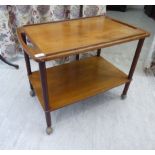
[(77, 57), (98, 52), (133, 66), (43, 79), (28, 66), (80, 15)]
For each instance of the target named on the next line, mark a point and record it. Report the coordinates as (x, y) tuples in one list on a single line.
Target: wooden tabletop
[(57, 39)]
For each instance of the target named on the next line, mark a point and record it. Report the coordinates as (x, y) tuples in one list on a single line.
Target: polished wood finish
[(77, 57), (98, 52), (27, 60), (78, 80), (80, 15), (133, 65), (44, 88), (64, 38), (62, 85)]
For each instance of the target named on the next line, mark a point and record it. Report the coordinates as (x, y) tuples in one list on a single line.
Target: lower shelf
[(78, 80)]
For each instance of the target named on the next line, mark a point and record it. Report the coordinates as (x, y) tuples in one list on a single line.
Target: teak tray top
[(57, 39)]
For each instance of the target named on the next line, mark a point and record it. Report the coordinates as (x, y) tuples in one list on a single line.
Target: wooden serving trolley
[(65, 84)]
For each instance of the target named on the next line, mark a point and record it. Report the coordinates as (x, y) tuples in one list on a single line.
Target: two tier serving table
[(65, 84)]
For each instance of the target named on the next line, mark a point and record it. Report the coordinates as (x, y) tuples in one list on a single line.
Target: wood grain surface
[(78, 80), (64, 38)]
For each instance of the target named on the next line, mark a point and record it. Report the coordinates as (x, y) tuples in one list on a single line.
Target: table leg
[(43, 78), (133, 66), (80, 15), (28, 66), (98, 52), (77, 57)]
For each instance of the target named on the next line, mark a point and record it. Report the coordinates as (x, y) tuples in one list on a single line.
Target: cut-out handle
[(30, 51)]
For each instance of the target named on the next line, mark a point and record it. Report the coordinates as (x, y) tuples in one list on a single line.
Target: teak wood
[(59, 39), (75, 81), (62, 85)]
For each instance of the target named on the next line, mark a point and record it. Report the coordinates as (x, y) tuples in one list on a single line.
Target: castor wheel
[(32, 93), (49, 130), (123, 97)]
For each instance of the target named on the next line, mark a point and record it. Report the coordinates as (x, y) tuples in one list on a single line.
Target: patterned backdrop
[(14, 16)]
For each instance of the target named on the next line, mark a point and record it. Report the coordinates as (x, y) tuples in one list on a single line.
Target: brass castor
[(123, 97), (32, 93), (49, 130)]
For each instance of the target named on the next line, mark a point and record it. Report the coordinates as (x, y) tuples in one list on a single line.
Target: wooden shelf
[(78, 80)]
